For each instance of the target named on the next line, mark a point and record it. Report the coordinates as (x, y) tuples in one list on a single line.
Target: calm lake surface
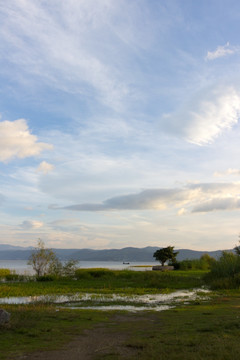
[(21, 266)]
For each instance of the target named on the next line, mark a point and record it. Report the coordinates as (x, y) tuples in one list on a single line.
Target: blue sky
[(119, 123)]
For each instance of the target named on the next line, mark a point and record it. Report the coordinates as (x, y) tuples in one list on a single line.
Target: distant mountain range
[(128, 254)]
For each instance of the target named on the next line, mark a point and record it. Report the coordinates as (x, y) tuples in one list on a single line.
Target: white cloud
[(45, 167), (16, 141), (207, 115), (222, 51), (31, 224)]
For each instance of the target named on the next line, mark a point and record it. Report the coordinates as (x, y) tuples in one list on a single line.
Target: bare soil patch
[(103, 340)]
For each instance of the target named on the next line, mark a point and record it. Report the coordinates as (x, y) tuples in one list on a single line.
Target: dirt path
[(102, 340)]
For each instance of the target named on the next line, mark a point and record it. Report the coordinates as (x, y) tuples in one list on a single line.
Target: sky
[(119, 123)]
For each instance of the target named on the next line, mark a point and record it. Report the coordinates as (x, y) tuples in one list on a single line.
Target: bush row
[(204, 263)]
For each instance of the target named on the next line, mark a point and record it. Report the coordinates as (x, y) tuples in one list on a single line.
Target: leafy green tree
[(165, 254)]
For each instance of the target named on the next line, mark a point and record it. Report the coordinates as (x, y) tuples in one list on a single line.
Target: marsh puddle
[(157, 302), (130, 308)]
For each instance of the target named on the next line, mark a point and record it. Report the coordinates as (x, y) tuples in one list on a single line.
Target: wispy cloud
[(207, 115), (147, 199), (222, 51), (196, 197), (92, 49), (78, 48), (18, 142)]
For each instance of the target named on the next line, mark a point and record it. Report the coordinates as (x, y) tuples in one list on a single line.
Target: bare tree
[(45, 262), (42, 259)]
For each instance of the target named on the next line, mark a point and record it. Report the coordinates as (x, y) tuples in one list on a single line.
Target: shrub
[(82, 274), (204, 263), (225, 273), (69, 267), (45, 278), (93, 273), (126, 274), (12, 277), (17, 277), (4, 272), (98, 273)]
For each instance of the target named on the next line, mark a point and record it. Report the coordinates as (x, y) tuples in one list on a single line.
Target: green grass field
[(200, 330), (108, 281), (197, 331)]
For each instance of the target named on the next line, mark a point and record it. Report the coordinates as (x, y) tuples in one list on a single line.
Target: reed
[(225, 273)]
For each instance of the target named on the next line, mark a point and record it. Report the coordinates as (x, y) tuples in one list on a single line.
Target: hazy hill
[(129, 254), (4, 247)]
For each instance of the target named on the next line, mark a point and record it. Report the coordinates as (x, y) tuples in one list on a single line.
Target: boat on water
[(126, 263)]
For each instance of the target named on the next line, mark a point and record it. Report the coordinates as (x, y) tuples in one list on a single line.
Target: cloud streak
[(228, 203), (65, 48), (147, 199), (207, 115), (87, 48), (194, 197)]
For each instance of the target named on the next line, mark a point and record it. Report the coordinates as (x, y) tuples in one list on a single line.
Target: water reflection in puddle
[(157, 302), (130, 308)]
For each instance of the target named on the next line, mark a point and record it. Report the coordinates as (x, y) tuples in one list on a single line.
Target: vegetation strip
[(107, 282)]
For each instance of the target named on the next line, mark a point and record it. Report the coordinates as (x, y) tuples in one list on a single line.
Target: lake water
[(21, 266)]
